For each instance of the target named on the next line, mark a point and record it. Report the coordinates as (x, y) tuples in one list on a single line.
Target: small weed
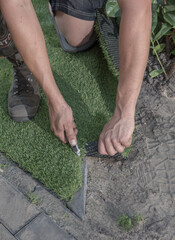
[(127, 223), (33, 198), (3, 166), (65, 216), (137, 219)]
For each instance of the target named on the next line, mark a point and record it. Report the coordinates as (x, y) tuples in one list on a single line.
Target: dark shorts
[(83, 9), (7, 46)]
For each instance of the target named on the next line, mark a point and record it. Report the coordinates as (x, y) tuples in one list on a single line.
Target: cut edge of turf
[(104, 49)]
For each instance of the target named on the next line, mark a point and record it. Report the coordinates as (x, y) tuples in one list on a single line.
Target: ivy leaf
[(155, 73), (172, 52), (170, 2), (174, 37), (112, 8), (169, 8), (159, 48), (154, 21), (170, 18), (155, 7), (164, 29)]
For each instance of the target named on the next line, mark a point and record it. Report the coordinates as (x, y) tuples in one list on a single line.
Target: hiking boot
[(24, 95)]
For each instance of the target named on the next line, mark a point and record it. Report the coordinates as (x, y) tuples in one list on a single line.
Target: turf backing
[(88, 87)]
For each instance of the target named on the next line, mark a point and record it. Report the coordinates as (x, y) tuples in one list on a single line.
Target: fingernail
[(73, 142)]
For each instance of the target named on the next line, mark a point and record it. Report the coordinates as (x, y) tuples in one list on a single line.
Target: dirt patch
[(145, 183)]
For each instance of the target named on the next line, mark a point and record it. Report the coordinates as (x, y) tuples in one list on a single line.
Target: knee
[(76, 41), (76, 31)]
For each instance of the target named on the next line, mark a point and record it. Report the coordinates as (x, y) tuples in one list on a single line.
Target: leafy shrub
[(163, 27)]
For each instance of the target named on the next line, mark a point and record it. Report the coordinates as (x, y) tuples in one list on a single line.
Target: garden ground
[(143, 185)]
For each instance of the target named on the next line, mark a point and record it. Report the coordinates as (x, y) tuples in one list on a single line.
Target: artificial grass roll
[(88, 87), (104, 48)]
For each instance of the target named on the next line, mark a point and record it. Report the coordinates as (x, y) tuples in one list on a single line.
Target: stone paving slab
[(43, 228), (5, 234), (16, 176), (15, 210)]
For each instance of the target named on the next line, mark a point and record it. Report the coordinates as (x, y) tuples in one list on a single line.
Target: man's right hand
[(62, 122)]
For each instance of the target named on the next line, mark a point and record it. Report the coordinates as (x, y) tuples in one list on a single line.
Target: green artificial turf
[(88, 87), (102, 43)]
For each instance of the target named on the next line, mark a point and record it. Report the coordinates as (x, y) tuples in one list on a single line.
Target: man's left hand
[(116, 135)]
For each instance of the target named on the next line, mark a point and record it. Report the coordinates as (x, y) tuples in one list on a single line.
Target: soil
[(144, 184)]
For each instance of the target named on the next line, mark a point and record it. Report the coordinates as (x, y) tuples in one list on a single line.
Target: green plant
[(163, 25), (163, 28), (3, 166), (32, 197), (127, 223), (137, 219)]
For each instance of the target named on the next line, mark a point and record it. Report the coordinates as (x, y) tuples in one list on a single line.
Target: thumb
[(73, 142), (71, 137)]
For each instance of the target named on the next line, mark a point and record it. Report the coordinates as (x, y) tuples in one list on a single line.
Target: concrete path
[(20, 219), (29, 211)]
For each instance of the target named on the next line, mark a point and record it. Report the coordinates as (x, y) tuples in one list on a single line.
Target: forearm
[(28, 37), (134, 42)]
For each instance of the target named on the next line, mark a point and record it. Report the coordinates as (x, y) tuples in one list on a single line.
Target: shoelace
[(22, 85)]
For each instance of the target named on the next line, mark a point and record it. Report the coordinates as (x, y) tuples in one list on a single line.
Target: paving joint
[(6, 228), (43, 227), (5, 234), (28, 223)]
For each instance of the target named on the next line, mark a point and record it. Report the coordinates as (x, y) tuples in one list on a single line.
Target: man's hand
[(116, 135), (62, 123)]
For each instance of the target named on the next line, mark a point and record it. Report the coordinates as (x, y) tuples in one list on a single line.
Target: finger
[(59, 132), (109, 146), (101, 147), (71, 136), (75, 128), (74, 125), (76, 131), (129, 142), (126, 142), (61, 136), (117, 145)]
